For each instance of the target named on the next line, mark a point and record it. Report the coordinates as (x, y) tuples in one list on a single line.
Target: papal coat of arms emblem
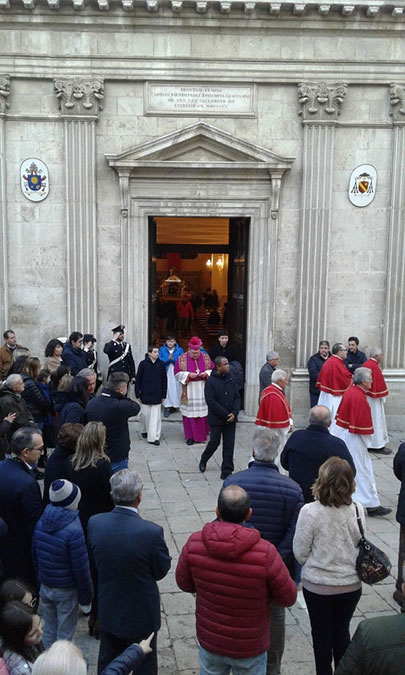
[(362, 185), (34, 179)]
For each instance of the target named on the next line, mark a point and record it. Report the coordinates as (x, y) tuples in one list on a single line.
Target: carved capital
[(321, 101), (397, 102), (4, 93), (79, 96)]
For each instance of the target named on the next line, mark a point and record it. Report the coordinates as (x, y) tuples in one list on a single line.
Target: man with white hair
[(274, 411), (12, 402), (376, 398), (276, 501), (333, 380), (130, 555), (355, 427), (266, 371)]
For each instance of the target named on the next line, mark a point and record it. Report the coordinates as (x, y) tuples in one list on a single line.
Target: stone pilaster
[(80, 101), (4, 103), (394, 328), (319, 105)]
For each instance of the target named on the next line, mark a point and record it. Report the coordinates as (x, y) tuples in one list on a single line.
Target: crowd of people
[(72, 537)]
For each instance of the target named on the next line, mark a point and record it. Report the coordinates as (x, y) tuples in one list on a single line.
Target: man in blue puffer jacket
[(276, 501), (61, 563)]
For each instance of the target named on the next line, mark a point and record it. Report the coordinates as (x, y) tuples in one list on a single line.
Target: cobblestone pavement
[(181, 499)]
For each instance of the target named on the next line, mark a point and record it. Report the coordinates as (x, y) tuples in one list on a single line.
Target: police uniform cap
[(118, 329)]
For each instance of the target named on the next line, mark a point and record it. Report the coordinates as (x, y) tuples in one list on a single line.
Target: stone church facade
[(202, 108)]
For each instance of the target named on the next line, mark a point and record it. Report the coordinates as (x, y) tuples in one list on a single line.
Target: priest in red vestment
[(274, 411), (355, 427), (377, 396), (333, 380)]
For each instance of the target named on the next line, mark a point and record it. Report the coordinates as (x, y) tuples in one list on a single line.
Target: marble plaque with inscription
[(201, 100)]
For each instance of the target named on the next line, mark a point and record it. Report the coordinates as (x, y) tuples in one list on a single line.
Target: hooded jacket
[(59, 552), (74, 358), (68, 408), (35, 400), (234, 573)]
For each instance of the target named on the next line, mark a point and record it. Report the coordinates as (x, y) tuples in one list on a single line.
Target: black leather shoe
[(144, 435), (166, 412), (202, 465), (189, 441), (156, 442), (225, 475), (379, 511), (381, 451)]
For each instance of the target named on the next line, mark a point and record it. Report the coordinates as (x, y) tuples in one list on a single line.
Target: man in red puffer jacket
[(234, 573)]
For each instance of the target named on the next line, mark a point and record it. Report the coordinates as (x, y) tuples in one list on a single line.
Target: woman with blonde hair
[(326, 544), (92, 472)]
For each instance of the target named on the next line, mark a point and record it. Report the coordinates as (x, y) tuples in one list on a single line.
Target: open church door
[(152, 280), (237, 284)]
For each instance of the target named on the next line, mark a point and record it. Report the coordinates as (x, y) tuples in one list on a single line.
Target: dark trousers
[(112, 646), (401, 559), (330, 617), (227, 431), (314, 398)]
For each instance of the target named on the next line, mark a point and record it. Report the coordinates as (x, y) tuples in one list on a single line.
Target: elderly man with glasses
[(20, 503)]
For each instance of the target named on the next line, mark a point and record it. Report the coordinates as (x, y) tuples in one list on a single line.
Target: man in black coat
[(223, 348), (120, 354), (114, 409), (314, 365), (130, 555), (151, 389), (308, 448), (223, 401), (355, 358), (20, 503)]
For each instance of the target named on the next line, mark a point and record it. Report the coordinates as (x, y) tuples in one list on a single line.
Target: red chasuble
[(334, 378), (378, 387), (354, 412), (274, 411)]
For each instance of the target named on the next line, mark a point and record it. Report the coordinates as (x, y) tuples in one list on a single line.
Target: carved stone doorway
[(202, 171)]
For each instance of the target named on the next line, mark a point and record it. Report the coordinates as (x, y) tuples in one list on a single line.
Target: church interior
[(190, 260)]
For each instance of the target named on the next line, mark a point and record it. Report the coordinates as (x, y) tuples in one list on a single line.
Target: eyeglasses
[(40, 449)]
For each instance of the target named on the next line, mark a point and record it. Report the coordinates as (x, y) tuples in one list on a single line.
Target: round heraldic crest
[(34, 179), (362, 185)]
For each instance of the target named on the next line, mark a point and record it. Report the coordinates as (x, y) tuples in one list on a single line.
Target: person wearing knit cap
[(192, 369), (61, 563)]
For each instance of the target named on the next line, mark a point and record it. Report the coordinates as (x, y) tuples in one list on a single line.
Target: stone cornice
[(251, 8), (80, 97), (204, 69), (4, 93)]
